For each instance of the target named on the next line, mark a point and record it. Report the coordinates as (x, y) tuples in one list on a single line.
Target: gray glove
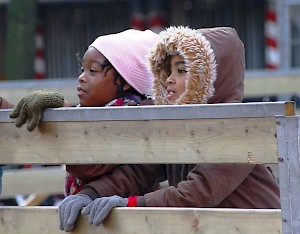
[(100, 208), (31, 106), (69, 210)]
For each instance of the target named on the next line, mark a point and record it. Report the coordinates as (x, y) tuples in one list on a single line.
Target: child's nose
[(170, 79), (81, 77)]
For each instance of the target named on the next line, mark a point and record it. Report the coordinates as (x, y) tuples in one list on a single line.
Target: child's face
[(96, 85), (176, 80)]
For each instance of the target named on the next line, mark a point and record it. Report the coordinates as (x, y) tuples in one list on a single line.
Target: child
[(114, 73), (190, 66)]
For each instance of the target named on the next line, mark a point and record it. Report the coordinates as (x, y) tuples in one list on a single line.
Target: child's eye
[(182, 71), (93, 70), (81, 69)]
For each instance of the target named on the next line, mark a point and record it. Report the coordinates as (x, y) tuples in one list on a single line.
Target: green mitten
[(31, 107)]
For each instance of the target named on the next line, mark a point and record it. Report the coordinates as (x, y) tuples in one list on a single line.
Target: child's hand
[(70, 208), (101, 207), (31, 106)]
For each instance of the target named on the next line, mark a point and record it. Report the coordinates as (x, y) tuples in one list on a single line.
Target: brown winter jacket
[(200, 185)]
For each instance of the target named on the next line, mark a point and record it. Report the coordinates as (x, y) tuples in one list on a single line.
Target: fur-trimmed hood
[(214, 61)]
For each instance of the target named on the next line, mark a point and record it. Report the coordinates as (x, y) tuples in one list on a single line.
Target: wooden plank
[(34, 200), (41, 181), (152, 112), (271, 85), (15, 90), (160, 141), (245, 140), (36, 220), (289, 168)]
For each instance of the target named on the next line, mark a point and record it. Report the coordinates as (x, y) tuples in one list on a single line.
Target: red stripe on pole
[(137, 23), (271, 42), (39, 63), (272, 53), (270, 66), (271, 15), (39, 53), (156, 21), (39, 76)]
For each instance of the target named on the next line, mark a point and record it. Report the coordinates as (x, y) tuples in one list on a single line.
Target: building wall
[(295, 36), (70, 27), (69, 30), (247, 17)]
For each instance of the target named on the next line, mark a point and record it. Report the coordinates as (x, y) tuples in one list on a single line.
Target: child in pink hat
[(113, 73)]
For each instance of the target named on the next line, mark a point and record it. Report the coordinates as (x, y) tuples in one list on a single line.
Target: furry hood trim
[(199, 60)]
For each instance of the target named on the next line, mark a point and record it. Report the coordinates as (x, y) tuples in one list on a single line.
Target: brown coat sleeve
[(128, 179), (90, 171), (219, 185)]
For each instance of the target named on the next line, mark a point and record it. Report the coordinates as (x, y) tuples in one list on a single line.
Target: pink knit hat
[(126, 51)]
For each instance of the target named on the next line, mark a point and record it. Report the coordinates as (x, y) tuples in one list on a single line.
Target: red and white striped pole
[(137, 16), (39, 61), (156, 16), (272, 52)]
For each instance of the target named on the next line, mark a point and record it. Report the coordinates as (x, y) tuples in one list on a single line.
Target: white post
[(289, 172)]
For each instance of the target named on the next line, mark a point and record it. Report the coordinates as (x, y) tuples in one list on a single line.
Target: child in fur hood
[(191, 66)]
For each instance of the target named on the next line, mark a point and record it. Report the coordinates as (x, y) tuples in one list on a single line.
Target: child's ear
[(126, 87)]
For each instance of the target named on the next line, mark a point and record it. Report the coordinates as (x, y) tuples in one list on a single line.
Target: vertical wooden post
[(288, 132), (19, 57)]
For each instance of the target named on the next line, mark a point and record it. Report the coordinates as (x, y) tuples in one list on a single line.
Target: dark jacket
[(78, 176), (196, 185)]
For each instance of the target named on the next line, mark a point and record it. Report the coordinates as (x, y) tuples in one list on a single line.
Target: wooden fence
[(218, 133)]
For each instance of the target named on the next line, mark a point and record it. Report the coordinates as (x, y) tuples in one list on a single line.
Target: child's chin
[(171, 102), (82, 104)]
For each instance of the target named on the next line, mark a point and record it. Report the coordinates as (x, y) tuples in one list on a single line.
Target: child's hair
[(121, 92), (126, 52)]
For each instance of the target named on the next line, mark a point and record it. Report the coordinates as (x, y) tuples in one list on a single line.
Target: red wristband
[(132, 201)]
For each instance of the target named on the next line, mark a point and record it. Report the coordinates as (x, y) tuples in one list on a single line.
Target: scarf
[(74, 185)]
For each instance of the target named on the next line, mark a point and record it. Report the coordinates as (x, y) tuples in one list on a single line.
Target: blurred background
[(67, 27), (43, 39)]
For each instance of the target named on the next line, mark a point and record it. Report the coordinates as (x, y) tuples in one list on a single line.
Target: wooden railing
[(218, 133)]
